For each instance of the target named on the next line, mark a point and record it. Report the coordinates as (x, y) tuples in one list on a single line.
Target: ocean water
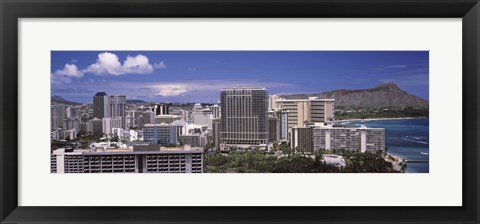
[(405, 138)]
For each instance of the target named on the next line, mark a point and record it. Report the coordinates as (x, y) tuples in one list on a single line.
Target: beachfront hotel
[(328, 137)]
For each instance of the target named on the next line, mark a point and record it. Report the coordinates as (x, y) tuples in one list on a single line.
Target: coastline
[(396, 161), (379, 119), (399, 162)]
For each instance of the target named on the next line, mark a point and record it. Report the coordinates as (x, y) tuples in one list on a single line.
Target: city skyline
[(227, 112), (198, 76)]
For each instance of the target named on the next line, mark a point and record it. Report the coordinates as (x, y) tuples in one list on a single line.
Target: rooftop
[(304, 100), (244, 88)]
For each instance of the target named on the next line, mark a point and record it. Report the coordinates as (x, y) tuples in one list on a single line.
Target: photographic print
[(239, 112)]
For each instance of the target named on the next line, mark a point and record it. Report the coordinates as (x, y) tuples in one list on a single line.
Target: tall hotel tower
[(244, 116)]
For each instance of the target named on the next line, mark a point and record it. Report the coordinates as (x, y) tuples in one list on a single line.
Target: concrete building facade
[(244, 116), (312, 109), (71, 123), (162, 134), (158, 160), (161, 109), (57, 115), (95, 126), (282, 116), (100, 105), (203, 117), (109, 106), (167, 119), (361, 139), (216, 129), (108, 123), (194, 140), (273, 129), (215, 111), (302, 139)]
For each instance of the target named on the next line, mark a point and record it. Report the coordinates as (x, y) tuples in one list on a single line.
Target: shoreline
[(396, 161), (380, 119)]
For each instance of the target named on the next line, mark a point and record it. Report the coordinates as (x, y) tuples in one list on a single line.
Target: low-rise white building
[(334, 160), (104, 145)]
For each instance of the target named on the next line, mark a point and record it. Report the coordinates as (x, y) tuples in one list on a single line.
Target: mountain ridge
[(60, 100), (383, 95)]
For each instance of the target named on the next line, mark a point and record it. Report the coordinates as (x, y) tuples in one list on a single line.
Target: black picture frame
[(11, 11)]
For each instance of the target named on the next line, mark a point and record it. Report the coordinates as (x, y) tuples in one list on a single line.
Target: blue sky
[(198, 76)]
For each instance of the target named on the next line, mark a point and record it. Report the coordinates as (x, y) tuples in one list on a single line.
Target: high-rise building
[(131, 119), (216, 129), (202, 117), (95, 126), (194, 140), (215, 111), (83, 126), (312, 109), (161, 109), (272, 102), (108, 123), (167, 119), (100, 105), (197, 107), (117, 105), (181, 127), (147, 117), (57, 115), (72, 123), (109, 106), (301, 139), (162, 134), (282, 116), (244, 116), (273, 129), (73, 112)]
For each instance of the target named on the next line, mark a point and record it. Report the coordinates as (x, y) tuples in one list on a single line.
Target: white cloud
[(160, 65), (195, 87), (70, 70), (138, 64), (182, 91), (56, 79), (66, 74), (169, 90), (109, 64)]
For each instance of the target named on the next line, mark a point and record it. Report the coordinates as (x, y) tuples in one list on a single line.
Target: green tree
[(114, 138)]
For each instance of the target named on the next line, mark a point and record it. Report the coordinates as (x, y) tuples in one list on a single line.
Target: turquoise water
[(405, 138)]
